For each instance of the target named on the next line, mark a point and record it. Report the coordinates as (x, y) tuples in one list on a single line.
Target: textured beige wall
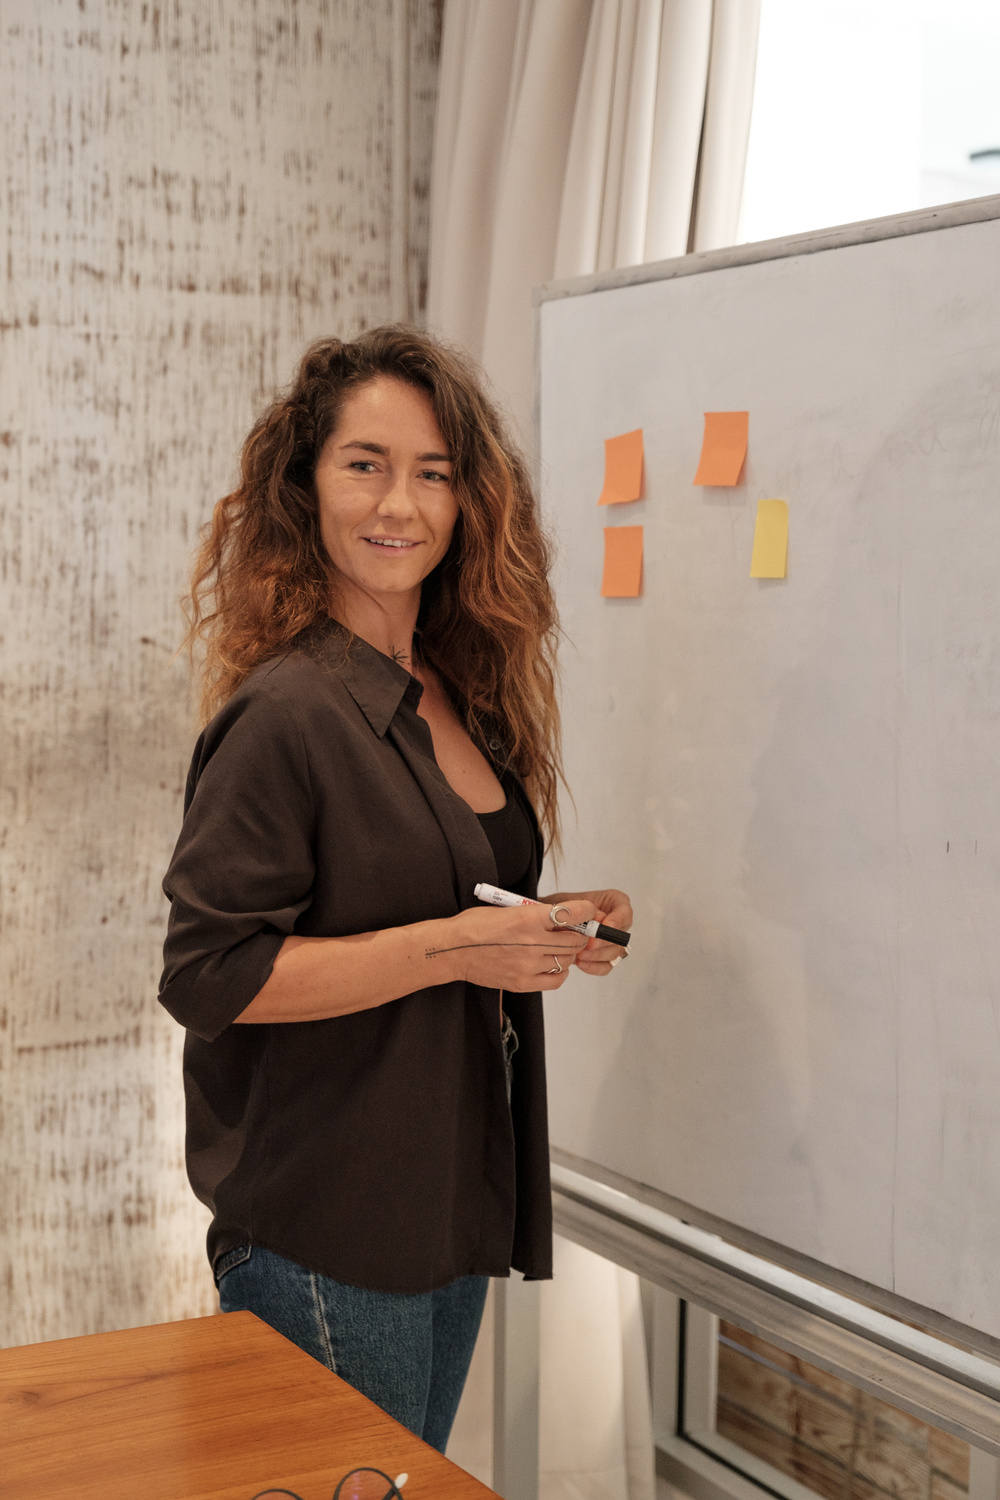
[(191, 191)]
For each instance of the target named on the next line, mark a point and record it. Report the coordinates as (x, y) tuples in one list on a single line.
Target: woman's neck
[(387, 623)]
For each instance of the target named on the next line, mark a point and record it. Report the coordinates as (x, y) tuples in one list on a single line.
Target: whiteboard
[(797, 780)]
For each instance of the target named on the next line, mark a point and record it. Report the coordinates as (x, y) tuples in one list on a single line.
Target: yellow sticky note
[(622, 562), (723, 447), (622, 468), (770, 540)]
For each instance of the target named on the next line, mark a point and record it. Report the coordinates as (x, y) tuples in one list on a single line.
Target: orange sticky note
[(770, 540), (622, 468), (723, 448), (622, 562)]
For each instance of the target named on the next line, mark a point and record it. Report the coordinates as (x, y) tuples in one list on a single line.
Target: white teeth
[(378, 541)]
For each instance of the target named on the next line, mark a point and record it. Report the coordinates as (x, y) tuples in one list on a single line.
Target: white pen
[(494, 896)]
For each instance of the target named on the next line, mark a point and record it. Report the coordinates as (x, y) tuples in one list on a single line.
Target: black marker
[(494, 896)]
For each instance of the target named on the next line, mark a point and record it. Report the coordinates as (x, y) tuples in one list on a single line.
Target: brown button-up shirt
[(377, 1148)]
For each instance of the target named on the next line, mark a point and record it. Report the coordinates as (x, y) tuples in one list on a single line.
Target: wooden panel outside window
[(826, 1434)]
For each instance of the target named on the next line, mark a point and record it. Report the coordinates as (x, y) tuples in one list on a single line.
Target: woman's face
[(386, 508)]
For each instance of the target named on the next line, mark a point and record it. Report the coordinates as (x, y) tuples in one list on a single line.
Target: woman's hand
[(514, 948), (610, 906)]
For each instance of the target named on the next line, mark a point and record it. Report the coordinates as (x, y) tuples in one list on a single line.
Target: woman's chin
[(375, 586)]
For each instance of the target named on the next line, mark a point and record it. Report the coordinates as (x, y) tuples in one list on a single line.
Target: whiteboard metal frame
[(865, 232), (940, 1383), (857, 1301)]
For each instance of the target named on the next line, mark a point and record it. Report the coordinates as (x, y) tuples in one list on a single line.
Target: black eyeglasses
[(359, 1484)]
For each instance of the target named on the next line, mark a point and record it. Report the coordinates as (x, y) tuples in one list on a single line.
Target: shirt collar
[(377, 684)]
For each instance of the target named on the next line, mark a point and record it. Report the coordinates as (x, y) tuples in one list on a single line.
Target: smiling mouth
[(392, 543)]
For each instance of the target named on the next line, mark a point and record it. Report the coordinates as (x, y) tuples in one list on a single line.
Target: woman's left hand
[(613, 907)]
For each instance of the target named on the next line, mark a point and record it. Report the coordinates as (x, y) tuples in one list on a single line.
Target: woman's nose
[(397, 499)]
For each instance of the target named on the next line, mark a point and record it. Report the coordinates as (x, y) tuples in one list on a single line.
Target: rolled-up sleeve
[(244, 865)]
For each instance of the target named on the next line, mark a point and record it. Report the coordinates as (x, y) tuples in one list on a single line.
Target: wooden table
[(215, 1408)]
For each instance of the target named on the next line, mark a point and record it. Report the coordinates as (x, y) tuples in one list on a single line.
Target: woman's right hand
[(513, 948)]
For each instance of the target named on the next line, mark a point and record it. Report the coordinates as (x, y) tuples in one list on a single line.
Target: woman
[(378, 661)]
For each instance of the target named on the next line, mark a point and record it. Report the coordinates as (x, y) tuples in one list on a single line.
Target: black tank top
[(511, 839)]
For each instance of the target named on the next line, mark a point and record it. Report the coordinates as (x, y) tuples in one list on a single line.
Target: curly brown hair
[(487, 621)]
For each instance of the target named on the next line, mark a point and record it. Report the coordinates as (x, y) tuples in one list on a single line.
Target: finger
[(568, 944), (556, 960), (600, 970), (570, 913), (564, 939), (597, 951), (618, 908), (526, 984)]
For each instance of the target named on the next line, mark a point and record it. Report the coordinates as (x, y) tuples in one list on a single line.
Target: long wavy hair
[(487, 621)]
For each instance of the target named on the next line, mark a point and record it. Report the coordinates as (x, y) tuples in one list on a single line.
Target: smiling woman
[(375, 607), (383, 482)]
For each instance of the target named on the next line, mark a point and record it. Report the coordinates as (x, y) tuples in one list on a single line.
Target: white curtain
[(576, 136)]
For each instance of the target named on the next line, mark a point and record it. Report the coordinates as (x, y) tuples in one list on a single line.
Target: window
[(735, 1417), (777, 1418), (870, 107)]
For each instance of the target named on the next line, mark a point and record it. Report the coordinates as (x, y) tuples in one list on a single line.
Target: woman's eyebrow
[(383, 452)]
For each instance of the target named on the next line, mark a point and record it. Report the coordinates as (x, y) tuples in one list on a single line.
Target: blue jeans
[(409, 1354)]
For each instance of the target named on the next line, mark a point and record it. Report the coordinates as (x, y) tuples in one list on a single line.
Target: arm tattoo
[(552, 948)]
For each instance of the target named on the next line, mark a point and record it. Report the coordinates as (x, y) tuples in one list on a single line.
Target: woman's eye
[(434, 474), (363, 465)]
